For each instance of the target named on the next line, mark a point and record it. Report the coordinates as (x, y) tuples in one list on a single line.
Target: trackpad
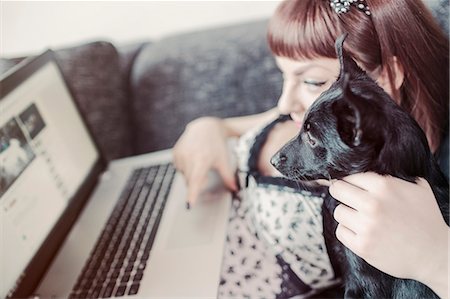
[(196, 227)]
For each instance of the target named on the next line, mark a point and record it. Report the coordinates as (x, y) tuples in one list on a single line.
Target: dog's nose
[(278, 159)]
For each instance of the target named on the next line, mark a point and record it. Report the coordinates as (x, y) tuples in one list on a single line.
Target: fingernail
[(188, 206)]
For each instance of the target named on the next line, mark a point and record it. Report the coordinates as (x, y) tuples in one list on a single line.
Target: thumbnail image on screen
[(32, 120), (15, 154)]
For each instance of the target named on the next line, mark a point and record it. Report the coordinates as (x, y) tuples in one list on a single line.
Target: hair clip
[(343, 6)]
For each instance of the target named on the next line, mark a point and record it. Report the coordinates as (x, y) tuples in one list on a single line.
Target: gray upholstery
[(127, 56), (221, 72), (439, 8), (94, 75)]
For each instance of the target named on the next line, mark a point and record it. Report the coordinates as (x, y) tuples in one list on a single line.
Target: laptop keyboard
[(116, 265)]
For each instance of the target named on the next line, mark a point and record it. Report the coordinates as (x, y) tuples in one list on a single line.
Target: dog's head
[(346, 129)]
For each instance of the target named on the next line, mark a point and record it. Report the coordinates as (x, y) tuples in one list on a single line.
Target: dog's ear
[(346, 111), (348, 115), (347, 64)]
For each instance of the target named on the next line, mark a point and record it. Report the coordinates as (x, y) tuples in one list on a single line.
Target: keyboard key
[(134, 289), (125, 278), (132, 258), (129, 268), (115, 274), (138, 276), (141, 266), (96, 292), (119, 263), (121, 290), (107, 291), (145, 256)]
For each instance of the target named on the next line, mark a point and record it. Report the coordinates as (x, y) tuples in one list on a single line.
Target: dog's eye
[(311, 140)]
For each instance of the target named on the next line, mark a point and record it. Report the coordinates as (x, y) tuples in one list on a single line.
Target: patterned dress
[(275, 246)]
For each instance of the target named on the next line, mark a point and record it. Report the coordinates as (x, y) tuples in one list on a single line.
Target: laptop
[(73, 226)]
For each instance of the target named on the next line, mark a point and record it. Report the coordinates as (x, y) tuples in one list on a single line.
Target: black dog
[(356, 127)]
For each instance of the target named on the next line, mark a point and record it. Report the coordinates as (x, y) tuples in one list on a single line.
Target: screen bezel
[(35, 270)]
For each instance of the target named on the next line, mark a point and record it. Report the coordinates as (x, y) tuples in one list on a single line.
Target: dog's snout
[(278, 159)]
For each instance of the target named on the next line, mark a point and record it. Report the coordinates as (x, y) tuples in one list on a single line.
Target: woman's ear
[(398, 73)]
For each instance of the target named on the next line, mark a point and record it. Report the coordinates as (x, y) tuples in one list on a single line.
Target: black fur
[(355, 127)]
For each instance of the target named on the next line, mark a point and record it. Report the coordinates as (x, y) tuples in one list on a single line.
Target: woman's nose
[(289, 101)]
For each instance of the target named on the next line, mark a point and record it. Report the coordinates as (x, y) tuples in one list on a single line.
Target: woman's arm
[(203, 146), (394, 225), (236, 126)]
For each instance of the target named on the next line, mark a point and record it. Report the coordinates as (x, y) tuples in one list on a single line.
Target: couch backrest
[(218, 72)]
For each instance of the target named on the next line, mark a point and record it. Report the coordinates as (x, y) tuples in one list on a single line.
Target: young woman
[(275, 245)]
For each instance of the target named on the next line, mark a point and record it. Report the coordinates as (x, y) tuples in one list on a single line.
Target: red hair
[(406, 29)]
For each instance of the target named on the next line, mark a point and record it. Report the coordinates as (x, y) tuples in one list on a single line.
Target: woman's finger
[(346, 236), (348, 194), (368, 181), (347, 217), (196, 181), (227, 173), (177, 162)]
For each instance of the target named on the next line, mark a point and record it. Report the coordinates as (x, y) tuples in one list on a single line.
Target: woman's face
[(304, 80)]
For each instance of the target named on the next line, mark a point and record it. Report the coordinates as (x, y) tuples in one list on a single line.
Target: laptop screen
[(46, 153)]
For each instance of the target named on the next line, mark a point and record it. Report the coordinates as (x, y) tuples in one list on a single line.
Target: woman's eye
[(314, 85)]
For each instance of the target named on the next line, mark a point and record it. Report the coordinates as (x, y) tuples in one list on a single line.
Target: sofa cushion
[(94, 75), (220, 72)]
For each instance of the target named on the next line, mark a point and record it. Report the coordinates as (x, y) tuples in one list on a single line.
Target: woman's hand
[(202, 147), (394, 225)]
